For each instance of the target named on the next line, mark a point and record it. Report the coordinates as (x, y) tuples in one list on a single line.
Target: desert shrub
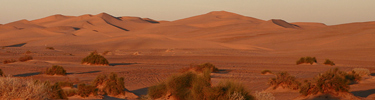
[(114, 85), (264, 96), (57, 92), (65, 84), (7, 61), (362, 71), (25, 58), (201, 67), (50, 48), (284, 80), (157, 91), (225, 89), (1, 73), (56, 70), (70, 92), (353, 77), (28, 52), (85, 90), (99, 80), (12, 88), (332, 81), (329, 62), (266, 71), (95, 59), (310, 60)]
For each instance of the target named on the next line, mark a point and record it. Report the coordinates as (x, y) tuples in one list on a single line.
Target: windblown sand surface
[(240, 46)]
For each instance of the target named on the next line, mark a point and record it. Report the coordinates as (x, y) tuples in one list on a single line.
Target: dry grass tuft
[(284, 80), (329, 62), (16, 88), (95, 59), (7, 61), (310, 60), (25, 58)]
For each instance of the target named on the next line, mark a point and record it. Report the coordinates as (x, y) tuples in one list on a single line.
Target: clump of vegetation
[(362, 71), (201, 68), (329, 62), (1, 73), (193, 86), (112, 85), (50, 48), (86, 90), (264, 96), (7, 61), (28, 52), (25, 58), (56, 70), (70, 92), (284, 80), (57, 92), (95, 59), (10, 89), (310, 60), (266, 71), (65, 84), (332, 81)]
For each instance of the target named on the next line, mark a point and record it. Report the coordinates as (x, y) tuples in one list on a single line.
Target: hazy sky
[(326, 11)]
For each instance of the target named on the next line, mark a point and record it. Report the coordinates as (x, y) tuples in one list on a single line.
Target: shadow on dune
[(372, 74), (364, 93), (139, 92), (223, 71), (106, 97), (115, 64), (84, 72), (26, 74), (16, 45)]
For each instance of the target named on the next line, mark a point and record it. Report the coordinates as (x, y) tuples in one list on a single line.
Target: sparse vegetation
[(50, 48), (86, 90), (57, 92), (7, 61), (284, 80), (264, 96), (201, 68), (310, 60), (362, 71), (65, 84), (70, 92), (266, 71), (56, 70), (31, 90), (25, 58), (112, 85), (1, 73), (193, 86), (95, 59), (332, 81), (28, 52), (329, 62)]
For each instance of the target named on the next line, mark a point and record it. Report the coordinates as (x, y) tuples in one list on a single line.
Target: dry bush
[(266, 71), (57, 92), (28, 52), (85, 90), (225, 89), (1, 73), (70, 92), (264, 96), (310, 60), (201, 68), (362, 71), (284, 80), (25, 58), (157, 91), (329, 62), (95, 59), (112, 85), (56, 70), (65, 84), (15, 88), (7, 61), (50, 48), (332, 81)]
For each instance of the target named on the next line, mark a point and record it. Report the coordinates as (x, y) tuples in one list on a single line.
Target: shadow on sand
[(364, 93), (140, 92), (115, 64), (26, 74), (16, 45), (223, 71), (84, 72)]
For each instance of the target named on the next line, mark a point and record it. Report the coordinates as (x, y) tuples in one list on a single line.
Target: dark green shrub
[(310, 60), (266, 71), (157, 91), (50, 48), (329, 62), (56, 70), (85, 90), (25, 58), (114, 85), (332, 81), (65, 84), (201, 68), (7, 61), (1, 73), (284, 80), (95, 59), (57, 92)]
